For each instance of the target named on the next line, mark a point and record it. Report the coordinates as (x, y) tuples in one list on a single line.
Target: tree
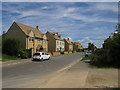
[(91, 46), (118, 28), (112, 44), (109, 54), (10, 46)]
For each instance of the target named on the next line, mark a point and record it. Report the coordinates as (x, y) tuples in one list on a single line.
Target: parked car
[(41, 56), (87, 54)]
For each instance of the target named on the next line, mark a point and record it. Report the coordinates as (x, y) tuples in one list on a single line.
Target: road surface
[(28, 74)]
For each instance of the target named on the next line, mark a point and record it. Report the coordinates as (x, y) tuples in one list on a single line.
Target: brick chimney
[(37, 27)]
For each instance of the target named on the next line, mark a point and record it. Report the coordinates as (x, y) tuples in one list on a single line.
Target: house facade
[(30, 38), (77, 46), (55, 42), (68, 44)]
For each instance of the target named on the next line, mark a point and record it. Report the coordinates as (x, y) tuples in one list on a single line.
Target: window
[(37, 54), (42, 53), (31, 39), (38, 40), (44, 40), (46, 53), (57, 42)]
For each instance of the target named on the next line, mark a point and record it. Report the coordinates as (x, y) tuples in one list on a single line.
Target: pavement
[(82, 75)]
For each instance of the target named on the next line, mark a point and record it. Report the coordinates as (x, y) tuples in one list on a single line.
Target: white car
[(41, 56)]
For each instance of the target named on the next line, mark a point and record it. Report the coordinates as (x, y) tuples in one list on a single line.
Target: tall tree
[(91, 46)]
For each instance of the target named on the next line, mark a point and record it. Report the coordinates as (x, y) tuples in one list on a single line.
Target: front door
[(41, 49)]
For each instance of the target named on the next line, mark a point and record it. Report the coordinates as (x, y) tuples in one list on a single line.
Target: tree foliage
[(110, 53), (91, 46), (10, 46)]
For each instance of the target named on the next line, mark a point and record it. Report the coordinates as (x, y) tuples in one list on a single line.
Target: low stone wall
[(70, 52), (74, 51), (50, 53), (59, 53), (56, 53), (66, 52)]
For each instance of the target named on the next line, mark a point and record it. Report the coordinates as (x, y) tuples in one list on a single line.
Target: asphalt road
[(26, 73)]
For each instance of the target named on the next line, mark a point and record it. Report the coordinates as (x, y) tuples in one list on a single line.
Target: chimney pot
[(37, 27), (4, 32)]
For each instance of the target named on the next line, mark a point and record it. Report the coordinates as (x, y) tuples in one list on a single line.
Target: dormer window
[(38, 40), (44, 40), (31, 39)]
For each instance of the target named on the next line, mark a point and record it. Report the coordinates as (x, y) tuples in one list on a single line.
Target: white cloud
[(60, 0), (95, 17), (54, 21), (45, 7), (30, 13), (89, 18), (71, 12), (106, 6), (87, 40)]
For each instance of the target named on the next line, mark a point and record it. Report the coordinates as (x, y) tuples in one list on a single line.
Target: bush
[(10, 46), (99, 57), (109, 54), (24, 53)]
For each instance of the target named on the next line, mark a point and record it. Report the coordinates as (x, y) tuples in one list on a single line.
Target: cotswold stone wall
[(70, 52), (56, 53), (66, 52)]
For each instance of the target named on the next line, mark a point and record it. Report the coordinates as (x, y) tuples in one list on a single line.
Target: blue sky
[(81, 21)]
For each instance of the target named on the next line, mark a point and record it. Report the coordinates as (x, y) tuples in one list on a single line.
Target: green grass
[(7, 58), (85, 58)]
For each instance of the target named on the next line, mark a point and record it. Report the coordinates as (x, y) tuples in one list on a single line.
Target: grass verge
[(4, 58), (85, 58)]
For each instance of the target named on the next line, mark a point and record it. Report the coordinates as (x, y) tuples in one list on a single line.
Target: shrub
[(24, 53), (99, 57), (10, 46), (109, 54)]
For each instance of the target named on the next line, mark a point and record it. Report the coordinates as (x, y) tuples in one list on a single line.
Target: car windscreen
[(37, 54)]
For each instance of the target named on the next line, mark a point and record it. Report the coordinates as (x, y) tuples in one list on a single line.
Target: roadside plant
[(109, 54), (10, 46), (24, 53)]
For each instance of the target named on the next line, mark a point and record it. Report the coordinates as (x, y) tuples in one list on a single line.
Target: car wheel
[(41, 59), (86, 55), (49, 58)]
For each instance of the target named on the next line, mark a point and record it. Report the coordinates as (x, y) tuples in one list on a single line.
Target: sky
[(83, 22)]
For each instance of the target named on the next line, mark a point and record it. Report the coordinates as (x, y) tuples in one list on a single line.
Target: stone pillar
[(31, 51)]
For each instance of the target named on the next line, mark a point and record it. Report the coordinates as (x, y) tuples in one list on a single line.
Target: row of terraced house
[(36, 41)]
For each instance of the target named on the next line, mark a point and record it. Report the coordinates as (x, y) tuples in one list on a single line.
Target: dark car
[(87, 54)]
